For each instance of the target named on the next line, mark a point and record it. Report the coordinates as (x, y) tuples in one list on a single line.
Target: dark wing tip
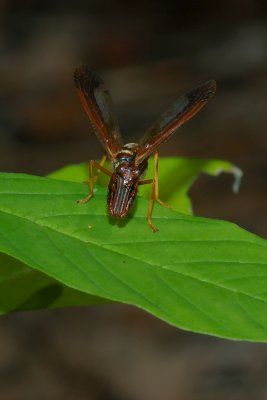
[(85, 76), (202, 93), (210, 88)]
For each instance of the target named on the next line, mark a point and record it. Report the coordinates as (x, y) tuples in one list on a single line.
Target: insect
[(129, 161)]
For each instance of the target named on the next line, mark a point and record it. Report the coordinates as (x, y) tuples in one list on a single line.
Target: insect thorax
[(126, 155)]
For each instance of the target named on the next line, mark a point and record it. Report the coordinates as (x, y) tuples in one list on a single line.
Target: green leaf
[(24, 288), (176, 176), (198, 274)]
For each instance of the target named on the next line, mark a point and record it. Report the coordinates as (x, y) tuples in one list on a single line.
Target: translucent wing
[(181, 111), (97, 104)]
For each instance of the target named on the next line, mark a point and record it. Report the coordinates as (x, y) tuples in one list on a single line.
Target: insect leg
[(101, 162), (146, 182), (93, 163), (156, 178), (154, 195), (150, 207), (151, 202)]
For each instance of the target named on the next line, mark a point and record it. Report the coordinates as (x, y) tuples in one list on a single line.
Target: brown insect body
[(130, 161), (123, 184)]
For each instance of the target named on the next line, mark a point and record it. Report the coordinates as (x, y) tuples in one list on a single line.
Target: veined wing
[(181, 111), (97, 104)]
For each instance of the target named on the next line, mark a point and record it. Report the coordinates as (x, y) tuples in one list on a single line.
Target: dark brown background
[(147, 52)]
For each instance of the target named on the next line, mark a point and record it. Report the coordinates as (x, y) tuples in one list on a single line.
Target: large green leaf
[(199, 274), (25, 288), (176, 176)]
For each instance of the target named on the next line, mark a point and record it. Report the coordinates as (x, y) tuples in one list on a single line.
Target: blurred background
[(147, 52)]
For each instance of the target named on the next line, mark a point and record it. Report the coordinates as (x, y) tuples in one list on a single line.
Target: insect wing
[(181, 111), (97, 104)]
